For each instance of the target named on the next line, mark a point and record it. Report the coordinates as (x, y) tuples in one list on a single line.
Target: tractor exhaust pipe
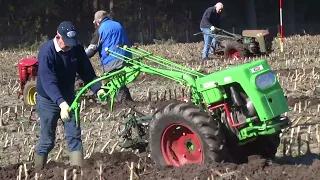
[(236, 99)]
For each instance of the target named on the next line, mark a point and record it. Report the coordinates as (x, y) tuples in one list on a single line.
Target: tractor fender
[(28, 62), (259, 35), (254, 33)]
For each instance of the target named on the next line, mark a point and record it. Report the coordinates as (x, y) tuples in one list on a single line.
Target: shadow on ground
[(307, 159)]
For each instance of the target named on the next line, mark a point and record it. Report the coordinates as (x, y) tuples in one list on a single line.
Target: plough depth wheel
[(30, 92), (180, 134)]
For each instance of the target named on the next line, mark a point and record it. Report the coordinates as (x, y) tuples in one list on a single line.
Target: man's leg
[(207, 42), (213, 44), (123, 93), (73, 138), (49, 114)]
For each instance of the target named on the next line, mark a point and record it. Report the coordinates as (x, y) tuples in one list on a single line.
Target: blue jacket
[(57, 72), (111, 34)]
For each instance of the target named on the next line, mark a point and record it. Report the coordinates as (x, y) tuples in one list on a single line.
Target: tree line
[(24, 22)]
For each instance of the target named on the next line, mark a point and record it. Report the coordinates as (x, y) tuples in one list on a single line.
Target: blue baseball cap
[(68, 32)]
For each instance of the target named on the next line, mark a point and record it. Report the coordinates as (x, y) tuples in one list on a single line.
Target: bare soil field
[(298, 71)]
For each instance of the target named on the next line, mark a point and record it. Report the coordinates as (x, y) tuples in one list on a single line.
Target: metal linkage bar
[(142, 54)]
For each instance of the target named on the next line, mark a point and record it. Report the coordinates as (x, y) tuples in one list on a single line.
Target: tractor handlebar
[(219, 33)]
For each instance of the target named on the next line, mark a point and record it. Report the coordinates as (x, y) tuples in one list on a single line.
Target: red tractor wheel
[(180, 145), (180, 134), (234, 54), (29, 92), (234, 50), (185, 99)]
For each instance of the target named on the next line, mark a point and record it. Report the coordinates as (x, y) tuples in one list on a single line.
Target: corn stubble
[(297, 70)]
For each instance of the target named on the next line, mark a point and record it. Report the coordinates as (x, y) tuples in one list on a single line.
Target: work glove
[(212, 28), (102, 95), (64, 113)]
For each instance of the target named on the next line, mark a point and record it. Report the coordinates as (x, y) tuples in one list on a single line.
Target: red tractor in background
[(28, 71)]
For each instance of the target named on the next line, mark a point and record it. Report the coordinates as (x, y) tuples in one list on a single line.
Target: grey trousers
[(123, 93)]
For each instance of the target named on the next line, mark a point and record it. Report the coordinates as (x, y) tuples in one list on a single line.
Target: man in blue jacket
[(59, 60), (110, 34), (210, 20)]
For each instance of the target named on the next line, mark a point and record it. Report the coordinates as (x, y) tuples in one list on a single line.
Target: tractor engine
[(253, 45), (27, 68), (240, 107), (268, 40), (243, 107)]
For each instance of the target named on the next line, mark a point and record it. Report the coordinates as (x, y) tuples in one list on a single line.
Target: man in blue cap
[(59, 61), (109, 34)]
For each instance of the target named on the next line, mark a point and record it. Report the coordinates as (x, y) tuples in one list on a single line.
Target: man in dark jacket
[(110, 34), (210, 20), (93, 46), (59, 60)]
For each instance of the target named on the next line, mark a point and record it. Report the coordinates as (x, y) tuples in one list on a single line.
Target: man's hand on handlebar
[(102, 95)]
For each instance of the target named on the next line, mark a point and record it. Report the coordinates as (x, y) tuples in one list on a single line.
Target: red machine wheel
[(234, 50), (234, 54), (180, 146), (185, 99), (179, 134)]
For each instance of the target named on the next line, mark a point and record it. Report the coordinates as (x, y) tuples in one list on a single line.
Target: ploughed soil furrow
[(313, 101), (286, 71), (116, 166)]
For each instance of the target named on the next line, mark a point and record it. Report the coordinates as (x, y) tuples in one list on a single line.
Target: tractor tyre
[(266, 146), (179, 134), (234, 49), (237, 152), (29, 92)]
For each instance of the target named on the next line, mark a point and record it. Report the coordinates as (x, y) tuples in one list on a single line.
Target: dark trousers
[(123, 92), (49, 114)]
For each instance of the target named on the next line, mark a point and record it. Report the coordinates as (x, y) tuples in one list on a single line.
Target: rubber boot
[(39, 161), (76, 158)]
